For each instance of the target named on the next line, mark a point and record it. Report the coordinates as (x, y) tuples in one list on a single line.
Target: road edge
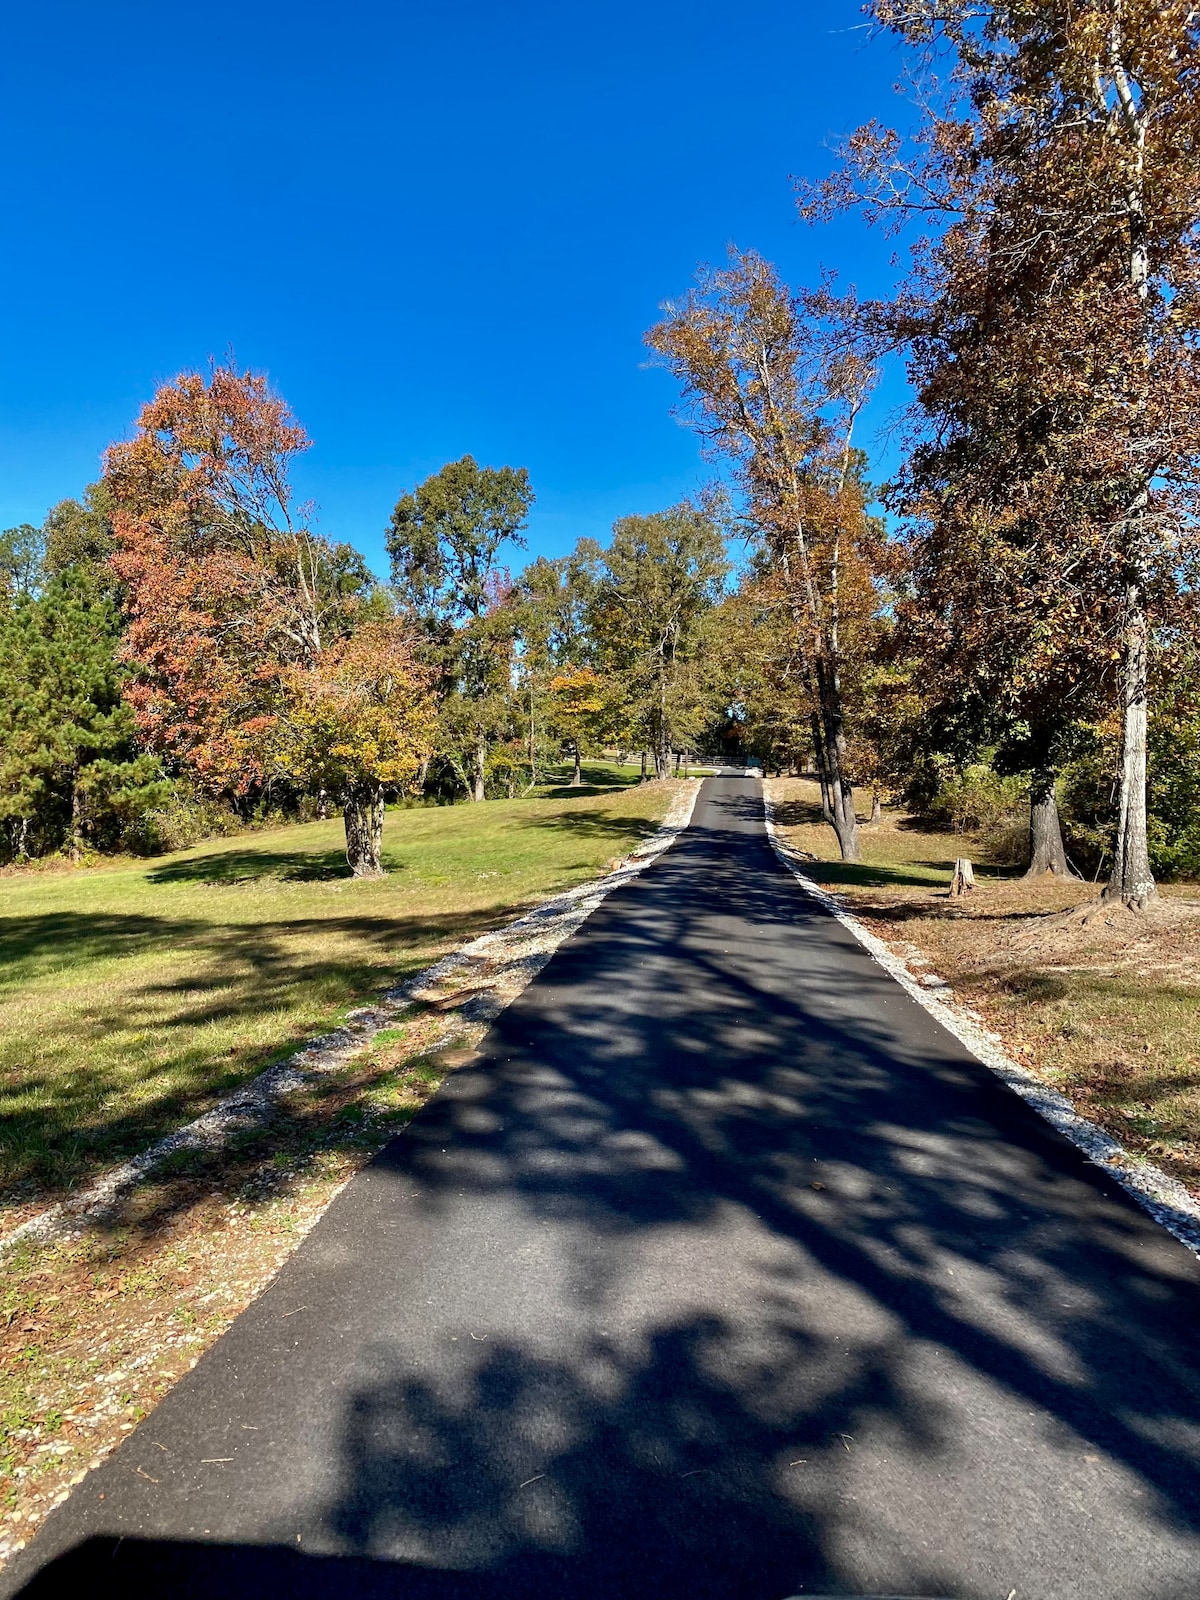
[(541, 930), (1160, 1195)]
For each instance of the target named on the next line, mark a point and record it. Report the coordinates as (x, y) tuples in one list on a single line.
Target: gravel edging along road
[(494, 968), (95, 1340), (1166, 1200)]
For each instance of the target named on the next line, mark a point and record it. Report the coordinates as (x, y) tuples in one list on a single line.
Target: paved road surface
[(726, 1275)]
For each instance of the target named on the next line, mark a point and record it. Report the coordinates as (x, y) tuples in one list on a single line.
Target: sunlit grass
[(133, 995)]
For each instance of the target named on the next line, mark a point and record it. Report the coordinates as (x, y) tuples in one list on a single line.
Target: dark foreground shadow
[(155, 1569), (183, 1569)]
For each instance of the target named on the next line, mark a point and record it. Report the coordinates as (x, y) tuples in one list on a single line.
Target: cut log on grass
[(963, 880)]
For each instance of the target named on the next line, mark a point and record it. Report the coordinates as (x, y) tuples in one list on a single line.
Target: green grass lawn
[(902, 854), (133, 995)]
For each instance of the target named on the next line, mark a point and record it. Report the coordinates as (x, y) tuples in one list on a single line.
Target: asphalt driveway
[(724, 1274)]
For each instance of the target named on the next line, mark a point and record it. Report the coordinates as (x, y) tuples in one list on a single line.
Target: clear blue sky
[(440, 228)]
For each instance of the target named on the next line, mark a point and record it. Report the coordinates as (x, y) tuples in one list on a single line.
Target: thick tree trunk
[(845, 825), (876, 808), (362, 810), (577, 775), (422, 774), (822, 769), (1132, 880), (841, 795), (662, 740), (477, 789), (1046, 852)]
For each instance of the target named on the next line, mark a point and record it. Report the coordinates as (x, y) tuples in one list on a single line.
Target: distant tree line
[(1004, 637), (181, 651)]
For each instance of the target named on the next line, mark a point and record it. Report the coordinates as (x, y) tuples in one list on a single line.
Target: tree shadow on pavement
[(832, 1299), (939, 1282)]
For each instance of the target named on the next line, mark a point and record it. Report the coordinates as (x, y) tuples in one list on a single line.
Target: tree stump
[(963, 880)]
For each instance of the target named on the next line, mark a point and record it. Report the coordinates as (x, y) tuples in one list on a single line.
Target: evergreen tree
[(70, 772)]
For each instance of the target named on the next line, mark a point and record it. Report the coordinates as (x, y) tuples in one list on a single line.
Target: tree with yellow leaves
[(357, 723)]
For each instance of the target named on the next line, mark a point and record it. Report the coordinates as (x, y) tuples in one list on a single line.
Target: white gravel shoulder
[(491, 970), (1167, 1201)]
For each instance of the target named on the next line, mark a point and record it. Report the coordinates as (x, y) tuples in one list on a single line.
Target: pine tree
[(70, 771)]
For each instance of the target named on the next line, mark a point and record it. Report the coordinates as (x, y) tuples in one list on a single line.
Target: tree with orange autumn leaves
[(260, 648), (585, 711), (1052, 322), (763, 389), (352, 725)]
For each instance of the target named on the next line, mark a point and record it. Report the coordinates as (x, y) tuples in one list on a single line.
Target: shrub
[(1006, 843), (976, 799), (187, 818)]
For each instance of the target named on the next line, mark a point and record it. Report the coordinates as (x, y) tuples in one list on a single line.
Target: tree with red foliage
[(230, 593)]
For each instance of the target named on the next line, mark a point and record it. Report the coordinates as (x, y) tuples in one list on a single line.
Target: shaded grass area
[(132, 996), (1107, 1009), (94, 1330)]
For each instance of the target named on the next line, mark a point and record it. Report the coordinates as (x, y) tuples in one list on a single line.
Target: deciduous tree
[(553, 601), (655, 584), (1060, 162), (21, 564), (356, 722), (230, 592), (763, 389), (445, 540), (584, 709)]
